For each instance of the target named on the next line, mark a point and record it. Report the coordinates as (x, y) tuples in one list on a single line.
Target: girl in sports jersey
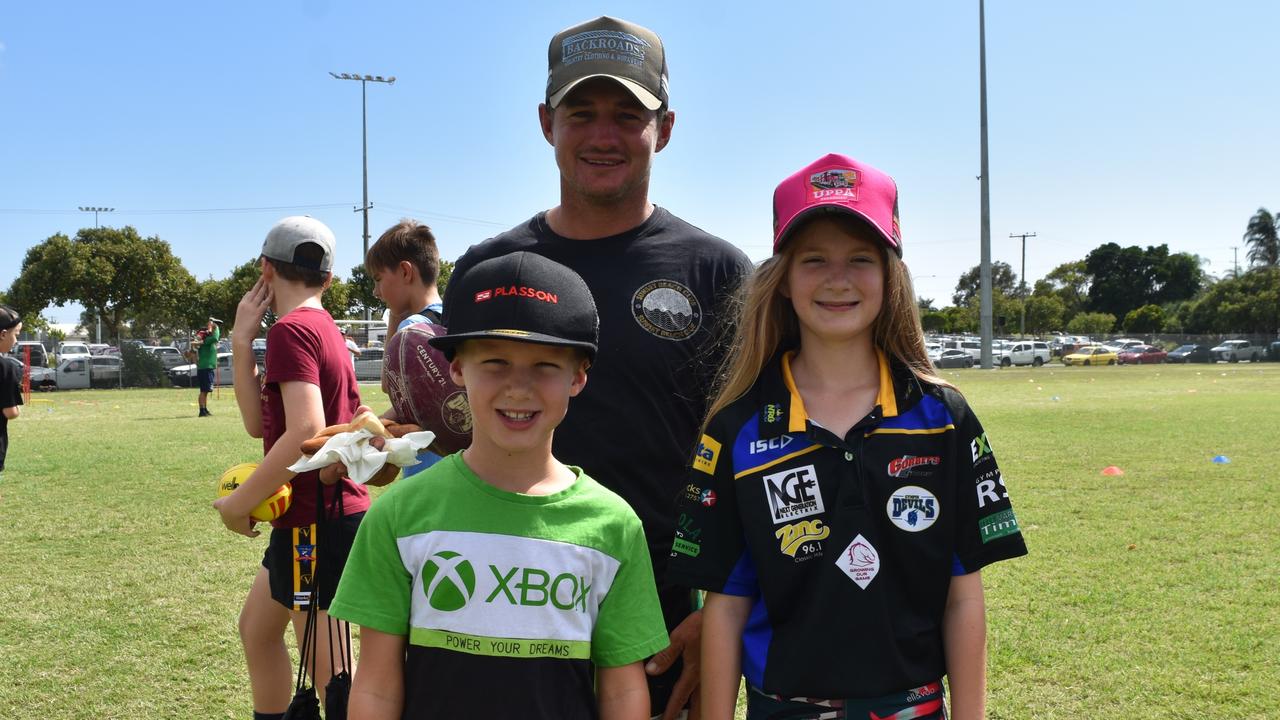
[(843, 498)]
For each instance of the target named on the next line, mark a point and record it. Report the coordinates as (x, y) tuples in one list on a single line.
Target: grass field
[(1155, 594)]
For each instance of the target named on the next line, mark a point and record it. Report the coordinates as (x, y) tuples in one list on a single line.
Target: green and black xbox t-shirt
[(507, 600)]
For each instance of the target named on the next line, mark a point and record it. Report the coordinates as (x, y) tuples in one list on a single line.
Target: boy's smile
[(519, 392)]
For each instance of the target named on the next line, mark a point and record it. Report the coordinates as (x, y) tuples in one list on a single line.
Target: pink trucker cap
[(835, 183)]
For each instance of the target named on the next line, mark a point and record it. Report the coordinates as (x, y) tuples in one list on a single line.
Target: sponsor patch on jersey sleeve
[(707, 456)]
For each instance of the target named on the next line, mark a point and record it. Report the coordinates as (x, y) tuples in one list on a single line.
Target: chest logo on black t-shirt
[(667, 309)]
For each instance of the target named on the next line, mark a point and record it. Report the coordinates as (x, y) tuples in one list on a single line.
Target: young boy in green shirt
[(500, 582)]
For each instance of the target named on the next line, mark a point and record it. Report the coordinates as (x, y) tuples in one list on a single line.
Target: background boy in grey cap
[(308, 385), (501, 583), (658, 283)]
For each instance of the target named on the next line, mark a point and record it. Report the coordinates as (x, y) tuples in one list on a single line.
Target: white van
[(72, 349), (1026, 352)]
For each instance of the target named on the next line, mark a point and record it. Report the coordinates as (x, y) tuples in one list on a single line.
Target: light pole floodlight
[(364, 149)]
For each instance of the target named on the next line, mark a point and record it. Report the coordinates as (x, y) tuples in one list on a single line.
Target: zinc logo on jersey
[(793, 494)]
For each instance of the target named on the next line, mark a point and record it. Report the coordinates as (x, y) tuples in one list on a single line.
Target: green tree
[(968, 288), (360, 293), (1070, 282), (446, 272), (1179, 277), (113, 272), (32, 322), (960, 318), (1146, 319), (1044, 313), (337, 298), (1263, 238), (1121, 278), (1247, 304), (219, 297), (1089, 323)]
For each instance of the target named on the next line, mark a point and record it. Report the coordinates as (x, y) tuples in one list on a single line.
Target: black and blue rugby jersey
[(847, 545)]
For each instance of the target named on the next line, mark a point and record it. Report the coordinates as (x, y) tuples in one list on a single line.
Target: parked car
[(974, 348), (39, 356), (1235, 351), (104, 370), (1189, 354), (42, 378), (71, 349), (1090, 355), (169, 355), (1273, 351), (953, 358), (1141, 355), (260, 350), (369, 365), (78, 372), (1027, 352), (1124, 343), (185, 375)]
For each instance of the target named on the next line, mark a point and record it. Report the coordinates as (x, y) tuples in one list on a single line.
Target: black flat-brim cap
[(523, 297)]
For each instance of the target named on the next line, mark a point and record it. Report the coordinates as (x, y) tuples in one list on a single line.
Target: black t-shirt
[(10, 396), (658, 288), (846, 545)]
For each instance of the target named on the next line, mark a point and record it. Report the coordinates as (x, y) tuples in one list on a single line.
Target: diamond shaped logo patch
[(859, 561)]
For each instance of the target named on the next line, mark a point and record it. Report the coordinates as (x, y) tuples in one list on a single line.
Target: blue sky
[(1129, 122)]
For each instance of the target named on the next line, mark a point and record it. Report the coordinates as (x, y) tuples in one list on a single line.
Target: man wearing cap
[(658, 283), (207, 361)]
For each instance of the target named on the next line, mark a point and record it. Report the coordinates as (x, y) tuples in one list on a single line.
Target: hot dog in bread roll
[(384, 428)]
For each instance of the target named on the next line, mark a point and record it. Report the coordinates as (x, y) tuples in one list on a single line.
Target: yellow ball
[(272, 508)]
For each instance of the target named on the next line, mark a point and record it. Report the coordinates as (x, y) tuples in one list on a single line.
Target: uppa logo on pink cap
[(839, 183)]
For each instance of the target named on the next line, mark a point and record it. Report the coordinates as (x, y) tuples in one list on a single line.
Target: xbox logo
[(448, 581)]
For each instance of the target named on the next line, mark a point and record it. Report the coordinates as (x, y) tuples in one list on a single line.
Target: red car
[(1142, 355)]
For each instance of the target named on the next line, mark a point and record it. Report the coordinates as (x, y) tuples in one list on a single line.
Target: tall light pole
[(95, 211), (364, 147), (1022, 324), (985, 268)]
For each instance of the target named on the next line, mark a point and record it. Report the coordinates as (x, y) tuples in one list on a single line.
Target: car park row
[(946, 352), (88, 365), (77, 366)]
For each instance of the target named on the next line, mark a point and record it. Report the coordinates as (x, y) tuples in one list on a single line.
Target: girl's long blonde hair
[(766, 323)]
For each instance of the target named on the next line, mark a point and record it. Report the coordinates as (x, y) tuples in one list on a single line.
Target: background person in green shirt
[(206, 344)]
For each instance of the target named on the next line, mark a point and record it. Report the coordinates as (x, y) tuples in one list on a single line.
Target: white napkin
[(363, 460)]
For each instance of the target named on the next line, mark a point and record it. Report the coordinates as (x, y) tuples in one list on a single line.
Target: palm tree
[(1263, 238)]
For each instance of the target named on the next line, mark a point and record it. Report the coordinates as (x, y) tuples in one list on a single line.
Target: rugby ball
[(421, 390), (270, 509)]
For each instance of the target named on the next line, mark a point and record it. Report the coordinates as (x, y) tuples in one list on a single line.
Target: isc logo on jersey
[(777, 443), (793, 494), (449, 583), (912, 508)]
